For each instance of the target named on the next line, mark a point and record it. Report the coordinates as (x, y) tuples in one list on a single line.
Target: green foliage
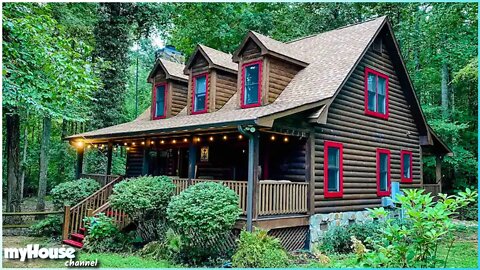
[(51, 226), (145, 200), (416, 245), (170, 248), (259, 250), (104, 236), (337, 239), (469, 211), (72, 192), (204, 210)]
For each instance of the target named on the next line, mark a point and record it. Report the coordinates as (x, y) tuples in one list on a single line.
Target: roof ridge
[(339, 28), (205, 46)]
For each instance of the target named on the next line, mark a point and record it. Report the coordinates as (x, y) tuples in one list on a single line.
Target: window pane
[(251, 84), (382, 105), (383, 172), (200, 93), (160, 101), (382, 85), (372, 95), (333, 169), (333, 179), (406, 166)]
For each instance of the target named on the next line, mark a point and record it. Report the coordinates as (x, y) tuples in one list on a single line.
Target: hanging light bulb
[(80, 144), (128, 148), (240, 136), (224, 137), (152, 142), (125, 144), (272, 138), (162, 141), (133, 143), (143, 143), (198, 139), (89, 146), (211, 138), (285, 139), (185, 140)]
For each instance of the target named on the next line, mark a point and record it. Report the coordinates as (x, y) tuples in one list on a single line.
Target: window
[(383, 172), (159, 106), (199, 95), (376, 94), (251, 84), (406, 166), (333, 170)]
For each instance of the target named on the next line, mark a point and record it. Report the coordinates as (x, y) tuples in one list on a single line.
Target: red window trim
[(154, 101), (326, 193), (380, 192), (367, 111), (242, 92), (206, 93), (404, 179)]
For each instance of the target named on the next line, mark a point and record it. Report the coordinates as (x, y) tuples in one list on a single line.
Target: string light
[(162, 141), (272, 138), (185, 140), (125, 144), (225, 137), (128, 148), (133, 143), (240, 136), (115, 149), (152, 142), (211, 138), (198, 139), (96, 146), (285, 139), (174, 141), (79, 144), (143, 143)]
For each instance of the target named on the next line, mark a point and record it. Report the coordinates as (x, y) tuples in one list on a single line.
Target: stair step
[(77, 237), (82, 230), (73, 243)]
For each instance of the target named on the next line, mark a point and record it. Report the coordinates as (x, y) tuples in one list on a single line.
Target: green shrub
[(168, 248), (259, 250), (415, 244), (145, 200), (72, 192), (337, 239), (104, 236), (469, 211), (50, 226), (204, 211)]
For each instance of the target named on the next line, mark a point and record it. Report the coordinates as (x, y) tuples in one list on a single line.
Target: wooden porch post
[(252, 185), (310, 172), (79, 167), (192, 159), (146, 154), (438, 171), (109, 159)]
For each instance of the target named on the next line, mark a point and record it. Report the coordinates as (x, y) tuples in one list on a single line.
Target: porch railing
[(274, 198), (102, 179)]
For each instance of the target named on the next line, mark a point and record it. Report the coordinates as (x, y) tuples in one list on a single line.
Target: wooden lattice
[(293, 238)]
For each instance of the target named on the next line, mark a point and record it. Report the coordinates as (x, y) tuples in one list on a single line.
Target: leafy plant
[(259, 250), (416, 245), (104, 236), (145, 200), (50, 226), (72, 192), (168, 248)]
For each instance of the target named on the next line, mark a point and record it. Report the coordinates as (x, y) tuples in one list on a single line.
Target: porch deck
[(274, 197)]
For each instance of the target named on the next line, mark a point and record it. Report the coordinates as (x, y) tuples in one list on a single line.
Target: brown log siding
[(178, 97), (361, 135), (280, 74), (226, 86), (200, 65)]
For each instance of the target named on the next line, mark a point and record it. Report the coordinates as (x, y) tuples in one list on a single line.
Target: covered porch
[(268, 169)]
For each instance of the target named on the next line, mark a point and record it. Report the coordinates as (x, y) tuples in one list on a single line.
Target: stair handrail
[(74, 215)]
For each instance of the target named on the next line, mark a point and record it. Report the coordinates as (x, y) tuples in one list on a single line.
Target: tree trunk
[(444, 90), (13, 160), (24, 161), (44, 148)]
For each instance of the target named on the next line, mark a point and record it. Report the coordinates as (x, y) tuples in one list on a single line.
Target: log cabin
[(306, 132)]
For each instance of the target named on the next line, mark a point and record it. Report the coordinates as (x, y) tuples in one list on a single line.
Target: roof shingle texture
[(332, 55), (220, 58), (174, 69)]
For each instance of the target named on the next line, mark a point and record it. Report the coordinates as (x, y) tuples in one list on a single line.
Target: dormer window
[(251, 84), (376, 93), (200, 94), (159, 106)]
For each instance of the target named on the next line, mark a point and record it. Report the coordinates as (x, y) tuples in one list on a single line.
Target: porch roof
[(336, 54)]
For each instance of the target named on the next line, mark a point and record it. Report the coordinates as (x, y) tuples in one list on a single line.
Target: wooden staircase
[(74, 228)]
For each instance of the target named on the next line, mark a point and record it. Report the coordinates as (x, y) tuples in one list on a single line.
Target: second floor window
[(376, 93), (406, 163), (251, 84), (333, 170), (159, 101), (200, 95)]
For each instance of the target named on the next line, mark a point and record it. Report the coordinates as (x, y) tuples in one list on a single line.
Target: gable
[(199, 64)]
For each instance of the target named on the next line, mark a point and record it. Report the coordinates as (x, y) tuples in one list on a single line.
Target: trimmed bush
[(145, 200), (259, 250), (50, 226), (72, 192), (104, 236), (204, 210)]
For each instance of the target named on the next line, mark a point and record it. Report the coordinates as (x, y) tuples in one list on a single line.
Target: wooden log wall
[(199, 66), (178, 96), (134, 161), (279, 74), (225, 87), (361, 135)]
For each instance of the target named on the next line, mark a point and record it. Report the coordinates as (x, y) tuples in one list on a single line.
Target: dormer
[(212, 80), (169, 91), (266, 67)]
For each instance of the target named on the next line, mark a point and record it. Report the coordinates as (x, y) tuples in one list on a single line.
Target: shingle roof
[(332, 56), (281, 48), (220, 58), (172, 69)]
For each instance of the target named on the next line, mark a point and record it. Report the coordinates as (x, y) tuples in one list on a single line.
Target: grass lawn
[(105, 260)]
